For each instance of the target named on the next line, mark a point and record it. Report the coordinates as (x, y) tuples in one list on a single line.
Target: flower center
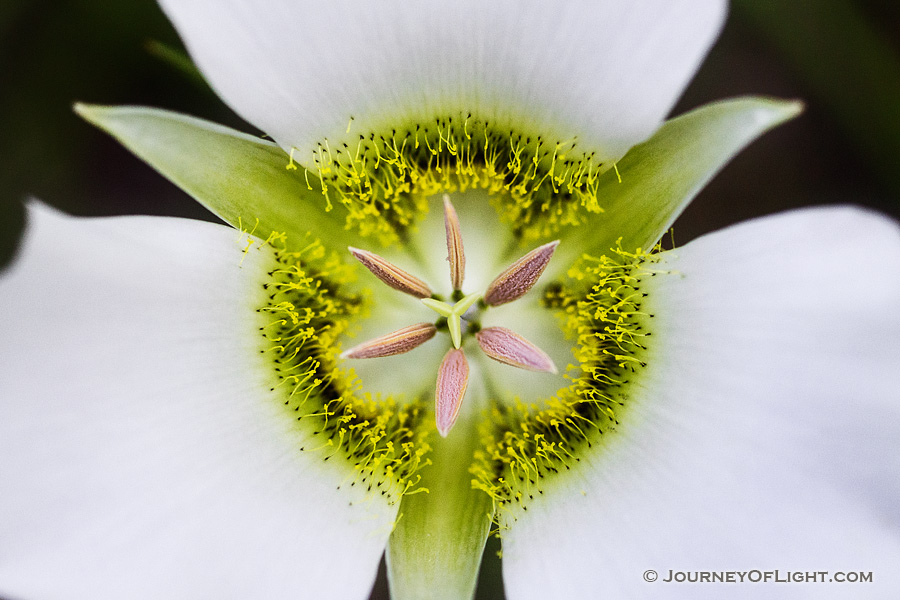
[(498, 343), (380, 432), (377, 416)]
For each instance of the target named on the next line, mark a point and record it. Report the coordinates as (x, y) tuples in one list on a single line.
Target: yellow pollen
[(383, 179), (306, 310), (600, 308)]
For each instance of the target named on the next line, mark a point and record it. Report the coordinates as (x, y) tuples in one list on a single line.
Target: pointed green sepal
[(239, 177), (436, 547), (657, 179)]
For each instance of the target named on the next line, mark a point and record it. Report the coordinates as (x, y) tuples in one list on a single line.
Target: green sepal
[(436, 547), (656, 180), (239, 177)]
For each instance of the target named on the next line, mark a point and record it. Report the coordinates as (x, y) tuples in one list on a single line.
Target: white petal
[(139, 453), (763, 433), (606, 72)]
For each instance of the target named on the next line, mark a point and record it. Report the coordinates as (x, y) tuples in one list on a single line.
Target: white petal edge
[(140, 454), (606, 72), (763, 434)]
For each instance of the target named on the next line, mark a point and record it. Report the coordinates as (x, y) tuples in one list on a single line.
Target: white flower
[(177, 421)]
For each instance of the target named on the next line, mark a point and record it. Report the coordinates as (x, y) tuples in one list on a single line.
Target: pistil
[(498, 343), (453, 314)]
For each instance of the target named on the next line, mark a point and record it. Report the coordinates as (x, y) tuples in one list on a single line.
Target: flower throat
[(535, 187)]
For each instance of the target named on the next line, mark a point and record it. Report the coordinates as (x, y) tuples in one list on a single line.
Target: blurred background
[(842, 57)]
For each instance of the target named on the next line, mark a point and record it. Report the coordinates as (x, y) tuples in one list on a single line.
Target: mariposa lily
[(195, 410)]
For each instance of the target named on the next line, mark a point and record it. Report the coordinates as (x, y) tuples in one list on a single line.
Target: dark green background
[(840, 56)]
